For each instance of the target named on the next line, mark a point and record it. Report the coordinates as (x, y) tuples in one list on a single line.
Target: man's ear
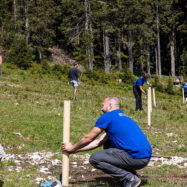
[(110, 105)]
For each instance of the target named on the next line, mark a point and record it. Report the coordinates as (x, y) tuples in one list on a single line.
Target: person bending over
[(126, 148), (185, 90), (138, 90)]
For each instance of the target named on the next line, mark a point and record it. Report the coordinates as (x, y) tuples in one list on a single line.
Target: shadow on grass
[(103, 181), (1, 183)]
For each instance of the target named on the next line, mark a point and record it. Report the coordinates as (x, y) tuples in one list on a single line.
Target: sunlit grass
[(32, 105)]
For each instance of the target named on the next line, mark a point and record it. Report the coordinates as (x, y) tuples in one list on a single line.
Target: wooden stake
[(149, 106), (150, 98), (183, 95), (66, 135), (154, 100)]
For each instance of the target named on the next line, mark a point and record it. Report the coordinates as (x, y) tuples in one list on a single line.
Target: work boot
[(134, 182)]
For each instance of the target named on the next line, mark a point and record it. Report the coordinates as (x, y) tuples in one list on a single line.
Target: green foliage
[(170, 89), (158, 85), (127, 76), (67, 24), (46, 69), (20, 54), (60, 69), (183, 67)]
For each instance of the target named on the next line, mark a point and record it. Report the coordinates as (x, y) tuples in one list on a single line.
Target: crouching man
[(126, 148)]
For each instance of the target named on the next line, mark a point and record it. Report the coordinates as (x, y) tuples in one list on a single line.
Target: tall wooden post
[(66, 135), (154, 99), (150, 97), (149, 106), (183, 95)]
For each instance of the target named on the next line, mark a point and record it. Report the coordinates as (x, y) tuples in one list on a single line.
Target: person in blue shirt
[(138, 90), (126, 148), (185, 90), (73, 78)]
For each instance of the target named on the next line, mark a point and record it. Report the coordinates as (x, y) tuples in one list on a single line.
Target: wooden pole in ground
[(150, 98), (183, 95), (149, 106), (66, 135), (154, 99)]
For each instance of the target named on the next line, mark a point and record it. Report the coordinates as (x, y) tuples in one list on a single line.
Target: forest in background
[(142, 35)]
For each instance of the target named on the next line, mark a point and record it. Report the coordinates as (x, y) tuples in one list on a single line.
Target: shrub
[(46, 69), (20, 54), (169, 88), (127, 76), (157, 84)]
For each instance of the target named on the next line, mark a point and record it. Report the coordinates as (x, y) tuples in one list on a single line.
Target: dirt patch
[(81, 172)]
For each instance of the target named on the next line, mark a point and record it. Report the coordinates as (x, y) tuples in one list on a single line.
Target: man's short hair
[(114, 101), (75, 64), (146, 75)]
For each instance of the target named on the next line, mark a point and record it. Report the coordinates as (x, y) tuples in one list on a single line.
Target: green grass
[(30, 104)]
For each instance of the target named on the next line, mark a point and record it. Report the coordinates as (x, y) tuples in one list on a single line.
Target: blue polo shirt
[(124, 133), (185, 87), (139, 82)]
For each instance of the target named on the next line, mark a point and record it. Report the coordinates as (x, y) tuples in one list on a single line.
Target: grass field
[(31, 110)]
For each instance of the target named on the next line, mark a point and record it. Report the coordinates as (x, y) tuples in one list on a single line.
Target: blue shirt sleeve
[(103, 121)]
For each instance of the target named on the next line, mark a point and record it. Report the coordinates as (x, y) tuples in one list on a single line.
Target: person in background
[(138, 90), (126, 148), (185, 90), (73, 77)]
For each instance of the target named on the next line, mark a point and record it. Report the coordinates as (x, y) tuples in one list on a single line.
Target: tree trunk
[(106, 48), (158, 46), (172, 51), (130, 49), (118, 63), (27, 22), (156, 61), (40, 55), (148, 61), (89, 33), (91, 60), (15, 16), (142, 64)]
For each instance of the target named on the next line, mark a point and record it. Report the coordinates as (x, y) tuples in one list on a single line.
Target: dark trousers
[(117, 163), (185, 93), (138, 97)]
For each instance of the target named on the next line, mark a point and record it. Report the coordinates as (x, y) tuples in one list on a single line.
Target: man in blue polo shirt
[(138, 90), (126, 146)]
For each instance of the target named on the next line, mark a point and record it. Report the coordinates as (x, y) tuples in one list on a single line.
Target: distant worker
[(185, 90), (126, 148), (1, 59), (138, 89), (73, 78)]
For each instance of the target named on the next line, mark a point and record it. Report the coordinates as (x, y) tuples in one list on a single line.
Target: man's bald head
[(111, 103), (114, 101)]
